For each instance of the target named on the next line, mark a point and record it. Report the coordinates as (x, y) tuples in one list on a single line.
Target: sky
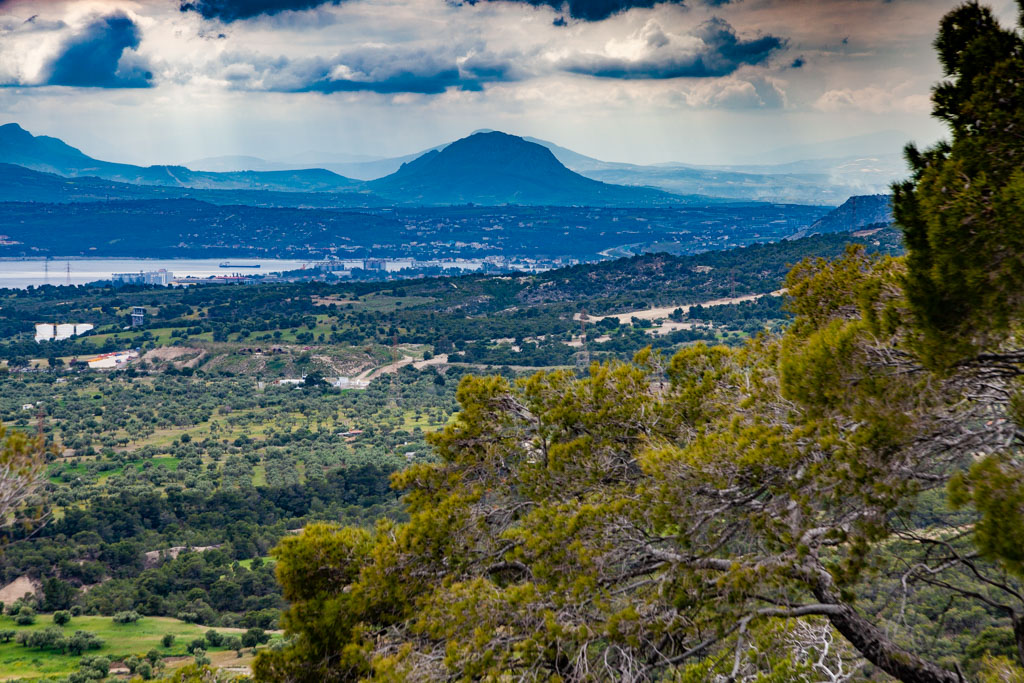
[(695, 81)]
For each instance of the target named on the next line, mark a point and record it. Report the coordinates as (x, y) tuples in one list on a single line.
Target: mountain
[(815, 181), (495, 168), (51, 155), (20, 184), (332, 162), (864, 211)]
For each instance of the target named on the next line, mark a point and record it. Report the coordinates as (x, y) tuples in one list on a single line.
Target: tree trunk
[(879, 649), (1018, 636)]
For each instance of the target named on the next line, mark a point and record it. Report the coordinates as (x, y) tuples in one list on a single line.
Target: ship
[(226, 264)]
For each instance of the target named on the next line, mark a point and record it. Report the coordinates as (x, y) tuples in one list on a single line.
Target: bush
[(145, 671), (196, 644), (167, 640), (201, 658), (129, 617), (154, 655), (233, 643), (62, 617), (50, 638), (25, 616), (214, 639), (91, 668), (82, 641)]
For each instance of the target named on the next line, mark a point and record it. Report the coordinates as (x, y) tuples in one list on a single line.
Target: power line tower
[(67, 269), (46, 272)]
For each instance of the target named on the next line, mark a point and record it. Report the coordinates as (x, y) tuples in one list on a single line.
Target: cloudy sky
[(701, 81)]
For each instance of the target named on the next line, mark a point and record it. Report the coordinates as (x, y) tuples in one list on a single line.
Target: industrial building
[(51, 332), (160, 277)]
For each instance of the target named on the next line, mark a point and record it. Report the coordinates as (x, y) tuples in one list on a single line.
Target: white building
[(116, 359), (50, 332), (160, 277)]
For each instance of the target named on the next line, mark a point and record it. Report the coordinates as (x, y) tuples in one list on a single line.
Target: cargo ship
[(239, 265)]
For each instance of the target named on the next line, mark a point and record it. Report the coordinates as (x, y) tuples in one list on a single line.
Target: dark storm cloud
[(593, 10), (233, 10), (598, 10), (583, 10), (721, 54), (96, 57), (377, 70)]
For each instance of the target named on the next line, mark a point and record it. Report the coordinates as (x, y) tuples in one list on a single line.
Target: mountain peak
[(9, 129), (491, 167)]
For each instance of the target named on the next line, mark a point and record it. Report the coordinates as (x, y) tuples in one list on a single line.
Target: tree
[(167, 640), (58, 594), (61, 618), (960, 211)]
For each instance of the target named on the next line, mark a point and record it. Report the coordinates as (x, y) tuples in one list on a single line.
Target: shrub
[(25, 616), (129, 617), (90, 668), (196, 644), (82, 641), (214, 639), (167, 640), (50, 638), (62, 617)]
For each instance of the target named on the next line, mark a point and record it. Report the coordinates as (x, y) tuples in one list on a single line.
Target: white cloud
[(873, 100)]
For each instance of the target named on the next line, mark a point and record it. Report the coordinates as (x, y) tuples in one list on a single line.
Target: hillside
[(51, 155), (856, 213), (496, 168)]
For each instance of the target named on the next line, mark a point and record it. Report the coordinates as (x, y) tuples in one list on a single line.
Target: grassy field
[(119, 641)]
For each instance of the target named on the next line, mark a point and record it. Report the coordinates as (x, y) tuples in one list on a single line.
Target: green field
[(119, 641)]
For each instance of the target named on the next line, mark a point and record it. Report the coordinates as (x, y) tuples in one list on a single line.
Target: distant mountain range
[(809, 181), (51, 155), (485, 169), (20, 184)]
